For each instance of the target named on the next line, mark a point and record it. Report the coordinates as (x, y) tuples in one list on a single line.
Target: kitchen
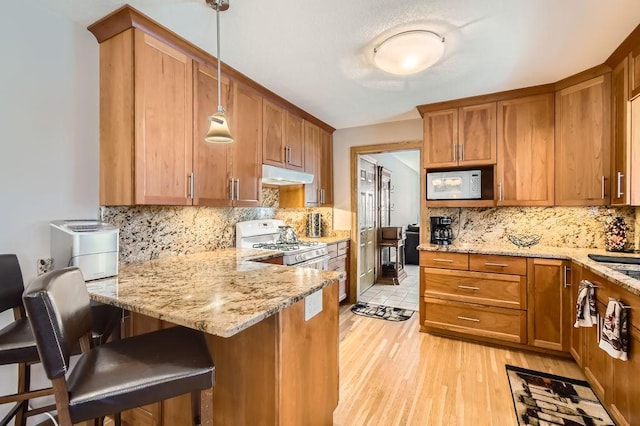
[(67, 183)]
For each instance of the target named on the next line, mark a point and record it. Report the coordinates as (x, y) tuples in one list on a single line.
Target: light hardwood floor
[(391, 374)]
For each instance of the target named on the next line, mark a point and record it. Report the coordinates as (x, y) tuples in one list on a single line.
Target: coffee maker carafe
[(441, 232)]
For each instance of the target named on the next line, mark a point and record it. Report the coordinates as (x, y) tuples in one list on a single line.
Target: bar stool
[(115, 376)]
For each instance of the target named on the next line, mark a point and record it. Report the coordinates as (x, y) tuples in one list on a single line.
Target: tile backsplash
[(558, 226)]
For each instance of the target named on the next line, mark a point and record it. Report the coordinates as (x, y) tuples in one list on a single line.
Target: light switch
[(312, 305)]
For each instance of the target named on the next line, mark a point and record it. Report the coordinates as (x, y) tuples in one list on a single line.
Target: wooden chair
[(115, 376)]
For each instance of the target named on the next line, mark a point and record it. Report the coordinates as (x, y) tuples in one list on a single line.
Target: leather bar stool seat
[(115, 376), (17, 343)]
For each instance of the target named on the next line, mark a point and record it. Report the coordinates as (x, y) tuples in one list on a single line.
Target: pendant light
[(219, 128)]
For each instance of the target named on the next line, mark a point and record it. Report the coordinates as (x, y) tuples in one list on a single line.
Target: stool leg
[(195, 408), (206, 407), (24, 378)]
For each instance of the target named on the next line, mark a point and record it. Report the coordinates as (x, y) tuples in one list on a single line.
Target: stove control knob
[(298, 257)]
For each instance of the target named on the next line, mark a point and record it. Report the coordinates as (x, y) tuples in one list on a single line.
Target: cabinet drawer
[(333, 250), (508, 291), (498, 264), (445, 260), (338, 264), (484, 321), (342, 248)]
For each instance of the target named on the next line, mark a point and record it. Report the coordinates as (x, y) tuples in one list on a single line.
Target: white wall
[(49, 139), (405, 194), (344, 139)]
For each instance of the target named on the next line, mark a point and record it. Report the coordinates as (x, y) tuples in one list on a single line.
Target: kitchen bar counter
[(221, 292), (336, 237), (577, 255)]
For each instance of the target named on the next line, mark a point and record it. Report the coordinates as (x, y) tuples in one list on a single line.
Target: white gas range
[(273, 234)]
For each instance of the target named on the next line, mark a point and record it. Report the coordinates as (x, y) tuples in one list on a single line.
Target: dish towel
[(586, 305), (614, 338)]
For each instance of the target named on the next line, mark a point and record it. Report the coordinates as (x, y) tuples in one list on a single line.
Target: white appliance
[(454, 185), (273, 234), (88, 244)]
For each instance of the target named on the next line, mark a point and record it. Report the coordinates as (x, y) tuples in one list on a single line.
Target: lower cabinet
[(625, 392), (339, 262)]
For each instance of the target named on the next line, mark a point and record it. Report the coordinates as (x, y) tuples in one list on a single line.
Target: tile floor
[(406, 295)]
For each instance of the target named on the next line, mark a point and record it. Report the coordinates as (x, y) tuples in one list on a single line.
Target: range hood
[(279, 176)]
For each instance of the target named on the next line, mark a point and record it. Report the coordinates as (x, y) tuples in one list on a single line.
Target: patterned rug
[(381, 312), (545, 399)]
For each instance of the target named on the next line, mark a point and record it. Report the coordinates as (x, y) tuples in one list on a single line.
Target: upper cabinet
[(634, 72), (283, 137), (525, 151), (620, 134), (463, 136), (318, 161), (582, 143), (326, 168)]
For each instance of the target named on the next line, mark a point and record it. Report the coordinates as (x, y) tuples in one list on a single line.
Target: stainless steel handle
[(288, 155), (237, 189), (461, 152), (455, 152), (566, 284), (468, 287), (231, 189), (191, 186), (619, 192), (322, 198), (603, 187), (442, 260), (469, 319), (500, 192), (501, 265)]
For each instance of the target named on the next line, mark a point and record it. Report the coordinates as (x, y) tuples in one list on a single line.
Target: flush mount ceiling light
[(219, 128), (409, 52)]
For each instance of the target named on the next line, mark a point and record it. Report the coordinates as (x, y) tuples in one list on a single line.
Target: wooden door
[(440, 142), (526, 150), (326, 167), (625, 392), (367, 223), (548, 303), (582, 143), (620, 134), (272, 134), (247, 147), (576, 335), (477, 135), (163, 123), (294, 141), (211, 162), (596, 362), (312, 156)]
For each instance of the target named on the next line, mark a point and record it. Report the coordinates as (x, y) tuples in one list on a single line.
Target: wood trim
[(481, 99), (581, 77), (627, 45), (128, 17), (355, 152)]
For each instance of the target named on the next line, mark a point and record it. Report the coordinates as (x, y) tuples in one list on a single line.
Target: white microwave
[(454, 185)]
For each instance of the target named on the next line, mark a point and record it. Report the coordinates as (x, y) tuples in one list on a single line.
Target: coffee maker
[(441, 232)]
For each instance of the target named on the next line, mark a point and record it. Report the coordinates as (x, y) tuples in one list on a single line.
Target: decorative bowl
[(523, 241)]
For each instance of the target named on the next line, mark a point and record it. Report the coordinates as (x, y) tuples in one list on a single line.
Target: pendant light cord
[(218, 5)]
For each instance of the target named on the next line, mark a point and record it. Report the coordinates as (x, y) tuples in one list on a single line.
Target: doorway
[(366, 204)]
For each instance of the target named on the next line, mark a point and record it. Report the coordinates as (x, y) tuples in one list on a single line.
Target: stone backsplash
[(558, 226)]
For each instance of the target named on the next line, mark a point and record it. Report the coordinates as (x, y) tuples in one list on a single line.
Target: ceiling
[(319, 55)]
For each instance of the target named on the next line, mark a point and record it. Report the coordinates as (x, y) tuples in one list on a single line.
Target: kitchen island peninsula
[(272, 331)]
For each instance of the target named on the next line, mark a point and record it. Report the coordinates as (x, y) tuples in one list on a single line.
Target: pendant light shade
[(409, 52), (219, 126)]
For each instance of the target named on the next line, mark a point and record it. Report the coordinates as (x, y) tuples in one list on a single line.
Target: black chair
[(115, 376)]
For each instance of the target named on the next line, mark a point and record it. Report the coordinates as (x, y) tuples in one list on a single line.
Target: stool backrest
[(11, 284), (58, 307)]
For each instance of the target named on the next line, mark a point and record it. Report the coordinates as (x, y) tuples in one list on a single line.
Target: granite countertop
[(220, 292), (335, 236), (580, 256)]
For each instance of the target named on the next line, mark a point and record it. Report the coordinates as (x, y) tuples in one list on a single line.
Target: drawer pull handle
[(469, 319), (501, 265), (467, 287), (443, 260)]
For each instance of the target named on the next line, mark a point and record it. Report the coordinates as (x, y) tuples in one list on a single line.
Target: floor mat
[(542, 399), (381, 312)]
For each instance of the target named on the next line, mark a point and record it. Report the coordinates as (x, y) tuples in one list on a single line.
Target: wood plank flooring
[(391, 374)]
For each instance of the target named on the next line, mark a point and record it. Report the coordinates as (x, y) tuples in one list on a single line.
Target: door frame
[(356, 151)]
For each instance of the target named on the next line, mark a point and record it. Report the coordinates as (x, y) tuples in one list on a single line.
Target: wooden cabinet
[(326, 168), (312, 158), (525, 167), (620, 134), (463, 136), (339, 262), (576, 334), (549, 303), (625, 392), (282, 137), (582, 143), (634, 73)]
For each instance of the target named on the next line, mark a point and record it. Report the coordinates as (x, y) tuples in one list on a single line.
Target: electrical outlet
[(44, 265)]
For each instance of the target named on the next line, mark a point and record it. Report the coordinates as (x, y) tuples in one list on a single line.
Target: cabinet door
[(620, 134), (525, 150), (312, 153), (294, 141), (272, 134), (247, 147), (548, 304), (625, 392), (477, 135), (211, 161), (163, 129), (326, 167), (440, 143), (634, 75), (577, 335), (596, 362), (582, 143)]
